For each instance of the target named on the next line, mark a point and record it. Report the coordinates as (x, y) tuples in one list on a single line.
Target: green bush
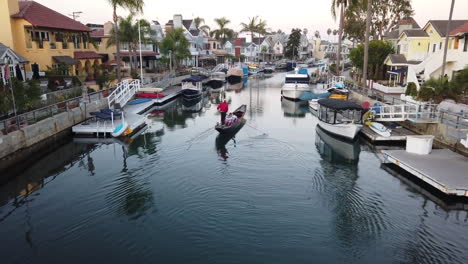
[(332, 68), (426, 94), (411, 89), (134, 74)]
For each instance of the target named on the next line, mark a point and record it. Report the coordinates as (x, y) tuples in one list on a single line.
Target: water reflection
[(335, 149), (296, 109), (223, 139)]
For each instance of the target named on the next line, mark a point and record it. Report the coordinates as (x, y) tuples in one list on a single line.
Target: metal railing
[(9, 125)]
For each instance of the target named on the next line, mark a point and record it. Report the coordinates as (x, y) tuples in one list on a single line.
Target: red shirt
[(223, 107)]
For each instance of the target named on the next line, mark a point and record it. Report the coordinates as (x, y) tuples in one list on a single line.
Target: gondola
[(239, 112)]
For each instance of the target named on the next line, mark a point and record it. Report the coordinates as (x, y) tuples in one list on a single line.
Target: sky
[(311, 14)]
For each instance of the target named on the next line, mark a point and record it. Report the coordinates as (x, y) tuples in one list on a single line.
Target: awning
[(65, 59), (398, 71)]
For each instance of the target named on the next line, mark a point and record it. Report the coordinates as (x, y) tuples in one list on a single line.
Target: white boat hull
[(349, 131), (380, 129), (294, 91)]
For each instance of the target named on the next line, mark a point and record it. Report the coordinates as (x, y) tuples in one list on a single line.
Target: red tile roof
[(79, 55), (143, 53), (41, 16), (463, 29), (97, 33)]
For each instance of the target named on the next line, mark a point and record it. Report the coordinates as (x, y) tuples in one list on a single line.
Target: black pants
[(223, 117)]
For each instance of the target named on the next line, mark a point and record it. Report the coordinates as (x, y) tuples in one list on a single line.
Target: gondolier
[(223, 108)]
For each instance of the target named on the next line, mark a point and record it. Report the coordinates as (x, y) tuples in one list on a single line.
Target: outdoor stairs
[(124, 91), (407, 112)]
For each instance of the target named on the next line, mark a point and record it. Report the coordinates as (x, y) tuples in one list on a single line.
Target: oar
[(264, 133)]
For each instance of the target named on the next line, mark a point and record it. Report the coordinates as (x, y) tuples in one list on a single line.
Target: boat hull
[(347, 131), (233, 79), (380, 129), (293, 93)]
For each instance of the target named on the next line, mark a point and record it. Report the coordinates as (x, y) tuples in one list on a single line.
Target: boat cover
[(303, 71), (193, 79), (339, 104)]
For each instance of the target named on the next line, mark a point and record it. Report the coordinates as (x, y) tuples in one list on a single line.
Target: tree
[(385, 14), (335, 32), (128, 33), (329, 31), (294, 41), (459, 82), (222, 32), (255, 25), (175, 46), (198, 21), (342, 5), (132, 5), (366, 45), (378, 52), (447, 33), (317, 34)]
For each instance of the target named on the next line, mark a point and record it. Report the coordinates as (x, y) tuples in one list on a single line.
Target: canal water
[(279, 192)]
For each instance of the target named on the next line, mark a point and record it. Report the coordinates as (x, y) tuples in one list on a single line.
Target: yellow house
[(413, 44), (46, 38), (101, 37)]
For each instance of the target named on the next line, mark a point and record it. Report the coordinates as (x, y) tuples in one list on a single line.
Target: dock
[(443, 169), (398, 135)]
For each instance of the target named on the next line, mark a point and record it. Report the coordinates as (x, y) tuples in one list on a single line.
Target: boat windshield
[(333, 116), (297, 80)]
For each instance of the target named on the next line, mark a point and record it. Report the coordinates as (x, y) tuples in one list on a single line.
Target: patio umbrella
[(19, 74)]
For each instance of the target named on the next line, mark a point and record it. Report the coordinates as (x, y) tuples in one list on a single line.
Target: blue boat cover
[(139, 101), (339, 85), (303, 71), (245, 70), (307, 96)]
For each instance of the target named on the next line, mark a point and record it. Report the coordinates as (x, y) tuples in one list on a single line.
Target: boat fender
[(128, 131)]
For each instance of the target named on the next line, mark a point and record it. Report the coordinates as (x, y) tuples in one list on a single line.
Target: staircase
[(124, 91)]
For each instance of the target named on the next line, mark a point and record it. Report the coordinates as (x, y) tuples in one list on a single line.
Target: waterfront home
[(16, 63), (394, 35), (196, 38), (46, 38), (100, 35), (305, 47), (420, 52), (230, 47)]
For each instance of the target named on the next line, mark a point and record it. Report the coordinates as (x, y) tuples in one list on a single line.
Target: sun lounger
[(110, 112), (101, 115)]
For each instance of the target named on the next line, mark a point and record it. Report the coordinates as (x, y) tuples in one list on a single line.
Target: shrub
[(332, 68), (411, 89), (426, 94)]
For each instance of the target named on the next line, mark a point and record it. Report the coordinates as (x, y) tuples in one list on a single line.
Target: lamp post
[(6, 61)]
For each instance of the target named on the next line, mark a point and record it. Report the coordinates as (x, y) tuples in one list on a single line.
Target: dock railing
[(9, 125)]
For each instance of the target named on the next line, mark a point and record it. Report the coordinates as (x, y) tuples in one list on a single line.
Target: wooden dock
[(398, 135), (443, 169)]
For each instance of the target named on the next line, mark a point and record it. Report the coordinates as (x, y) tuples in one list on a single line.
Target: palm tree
[(255, 25), (447, 33), (342, 5), (175, 46), (317, 34), (335, 32), (132, 5), (366, 44), (329, 31), (128, 33), (222, 33), (198, 21)]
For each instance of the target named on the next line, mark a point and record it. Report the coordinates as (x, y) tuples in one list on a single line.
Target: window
[(440, 45), (77, 42), (434, 47), (465, 46), (455, 43)]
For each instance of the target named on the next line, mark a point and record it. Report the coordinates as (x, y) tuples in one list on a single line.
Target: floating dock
[(398, 135), (443, 169)]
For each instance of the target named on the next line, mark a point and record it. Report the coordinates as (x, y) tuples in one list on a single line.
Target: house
[(216, 50), (100, 35), (305, 48), (420, 52), (46, 38), (229, 47), (15, 61), (196, 38), (394, 35)]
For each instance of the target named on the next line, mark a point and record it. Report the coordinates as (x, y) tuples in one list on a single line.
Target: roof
[(441, 25), (415, 33), (339, 104), (194, 32), (4, 49), (463, 29), (409, 21), (394, 34), (65, 59), (258, 40), (79, 55), (397, 59), (185, 22), (143, 53), (41, 16), (97, 33)]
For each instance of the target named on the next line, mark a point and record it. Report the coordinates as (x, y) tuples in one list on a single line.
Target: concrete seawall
[(26, 143)]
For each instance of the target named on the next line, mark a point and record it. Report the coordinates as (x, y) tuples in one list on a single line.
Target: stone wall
[(21, 145)]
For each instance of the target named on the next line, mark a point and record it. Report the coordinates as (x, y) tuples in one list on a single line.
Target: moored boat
[(234, 75), (239, 112), (339, 117), (380, 129), (192, 87), (217, 80), (294, 85)]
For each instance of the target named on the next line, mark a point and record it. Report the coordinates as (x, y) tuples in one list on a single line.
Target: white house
[(16, 63), (305, 48)]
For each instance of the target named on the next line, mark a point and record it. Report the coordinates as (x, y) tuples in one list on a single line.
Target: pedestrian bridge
[(427, 113)]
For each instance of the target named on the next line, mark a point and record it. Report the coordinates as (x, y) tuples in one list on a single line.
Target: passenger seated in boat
[(231, 119)]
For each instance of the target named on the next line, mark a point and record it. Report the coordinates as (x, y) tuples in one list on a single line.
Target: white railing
[(124, 91), (389, 89), (415, 113)]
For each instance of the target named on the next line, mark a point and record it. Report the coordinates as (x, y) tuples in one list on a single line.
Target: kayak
[(139, 101), (149, 95)]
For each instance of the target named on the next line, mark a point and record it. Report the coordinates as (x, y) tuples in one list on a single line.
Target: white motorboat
[(380, 129), (294, 85), (339, 117), (313, 104), (217, 80), (192, 87), (336, 149)]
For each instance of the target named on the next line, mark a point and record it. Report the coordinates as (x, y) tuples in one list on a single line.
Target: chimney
[(12, 7), (178, 21), (107, 28)]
